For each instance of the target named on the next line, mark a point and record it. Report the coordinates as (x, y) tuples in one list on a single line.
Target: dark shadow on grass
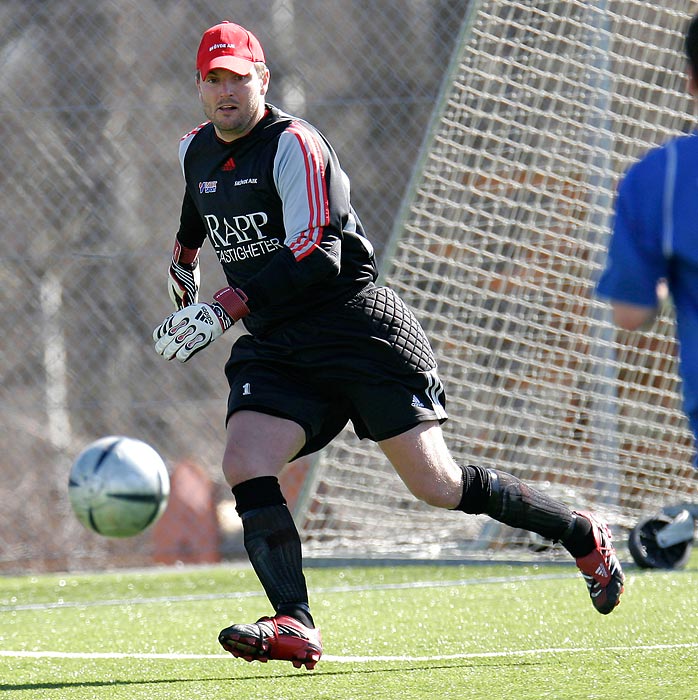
[(291, 675), (102, 684)]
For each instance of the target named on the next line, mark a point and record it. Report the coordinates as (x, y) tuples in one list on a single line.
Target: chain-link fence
[(95, 96)]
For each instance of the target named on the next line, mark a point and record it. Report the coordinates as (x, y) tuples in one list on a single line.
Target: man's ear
[(265, 81), (198, 83)]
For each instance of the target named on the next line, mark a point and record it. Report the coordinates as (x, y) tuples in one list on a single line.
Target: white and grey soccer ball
[(118, 486)]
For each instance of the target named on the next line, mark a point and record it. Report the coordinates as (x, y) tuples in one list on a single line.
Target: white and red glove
[(196, 326), (185, 276)]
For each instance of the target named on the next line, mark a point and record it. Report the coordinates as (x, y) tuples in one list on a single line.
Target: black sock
[(273, 545), (299, 611), (509, 500), (580, 540)]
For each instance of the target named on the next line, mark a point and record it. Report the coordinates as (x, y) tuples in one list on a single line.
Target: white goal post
[(502, 236)]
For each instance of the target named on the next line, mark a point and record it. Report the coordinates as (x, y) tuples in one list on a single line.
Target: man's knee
[(259, 445)]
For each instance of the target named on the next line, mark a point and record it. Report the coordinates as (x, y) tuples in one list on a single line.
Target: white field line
[(356, 659), (326, 657), (317, 591)]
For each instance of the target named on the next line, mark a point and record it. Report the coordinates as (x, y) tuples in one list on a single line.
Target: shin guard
[(509, 500), (272, 542)]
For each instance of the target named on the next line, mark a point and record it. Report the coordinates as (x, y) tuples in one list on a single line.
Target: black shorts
[(367, 361)]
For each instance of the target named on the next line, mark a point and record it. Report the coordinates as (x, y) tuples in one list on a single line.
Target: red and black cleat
[(281, 638), (601, 568)]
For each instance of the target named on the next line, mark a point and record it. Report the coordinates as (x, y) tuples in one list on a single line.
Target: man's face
[(233, 103)]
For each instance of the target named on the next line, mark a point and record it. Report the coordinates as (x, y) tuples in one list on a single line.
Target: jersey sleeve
[(315, 205), (192, 231), (300, 176), (635, 261)]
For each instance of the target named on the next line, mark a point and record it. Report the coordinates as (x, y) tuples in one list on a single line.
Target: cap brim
[(241, 66)]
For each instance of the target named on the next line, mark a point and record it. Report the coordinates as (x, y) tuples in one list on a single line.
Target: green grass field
[(513, 632)]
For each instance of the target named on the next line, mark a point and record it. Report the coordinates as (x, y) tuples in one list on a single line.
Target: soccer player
[(325, 346), (654, 242)]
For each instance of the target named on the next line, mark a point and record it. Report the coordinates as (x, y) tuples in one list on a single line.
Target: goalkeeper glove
[(196, 326), (185, 276)]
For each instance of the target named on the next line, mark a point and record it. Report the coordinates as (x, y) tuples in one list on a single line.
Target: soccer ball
[(118, 486)]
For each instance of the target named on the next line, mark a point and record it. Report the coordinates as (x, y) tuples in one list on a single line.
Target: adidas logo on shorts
[(416, 402)]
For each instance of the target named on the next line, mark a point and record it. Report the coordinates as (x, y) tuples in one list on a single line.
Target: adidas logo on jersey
[(416, 402), (228, 165)]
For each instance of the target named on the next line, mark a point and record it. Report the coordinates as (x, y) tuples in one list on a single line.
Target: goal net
[(501, 239)]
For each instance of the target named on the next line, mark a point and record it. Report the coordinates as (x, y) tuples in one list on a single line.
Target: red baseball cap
[(228, 45)]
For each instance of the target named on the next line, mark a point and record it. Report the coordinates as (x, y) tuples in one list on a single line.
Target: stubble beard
[(230, 129)]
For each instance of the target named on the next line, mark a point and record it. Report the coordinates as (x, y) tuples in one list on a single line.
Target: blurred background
[(484, 140), (94, 98)]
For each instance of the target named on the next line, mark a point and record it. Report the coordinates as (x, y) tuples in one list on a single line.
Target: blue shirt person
[(654, 242)]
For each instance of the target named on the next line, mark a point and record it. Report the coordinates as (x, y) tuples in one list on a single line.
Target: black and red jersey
[(275, 206)]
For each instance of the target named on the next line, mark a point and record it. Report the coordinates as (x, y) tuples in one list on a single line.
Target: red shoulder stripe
[(316, 188), (194, 131)]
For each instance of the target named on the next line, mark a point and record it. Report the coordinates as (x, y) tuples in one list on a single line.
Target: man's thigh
[(264, 388), (259, 444), (424, 463)]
